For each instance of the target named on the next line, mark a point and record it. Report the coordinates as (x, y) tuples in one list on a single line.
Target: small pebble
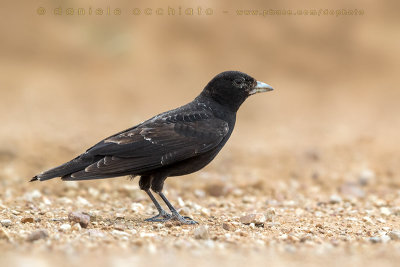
[(228, 226), (93, 192), (27, 220), (352, 190), (151, 248), (4, 235), (76, 227), (205, 212), (385, 211), (185, 211), (95, 233), (38, 234), (83, 201), (381, 220), (270, 214), (65, 200), (385, 238), (256, 218), (30, 196), (119, 216), (47, 201), (71, 184), (366, 176), (80, 218), (394, 235), (249, 199), (147, 234), (290, 249), (119, 227), (199, 193), (237, 192), (289, 203), (133, 231), (209, 244), (158, 226), (375, 239), (379, 202), (6, 222), (201, 232), (216, 190), (65, 227), (137, 207), (15, 212), (368, 220), (181, 202), (283, 237), (119, 233), (335, 199)]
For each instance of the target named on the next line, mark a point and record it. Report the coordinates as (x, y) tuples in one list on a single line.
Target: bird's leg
[(175, 214), (162, 215), (157, 184)]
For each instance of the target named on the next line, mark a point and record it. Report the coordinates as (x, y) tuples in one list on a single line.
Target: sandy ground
[(332, 202), (309, 177)]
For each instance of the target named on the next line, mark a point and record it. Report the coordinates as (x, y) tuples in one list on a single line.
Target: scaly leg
[(162, 215), (175, 214)]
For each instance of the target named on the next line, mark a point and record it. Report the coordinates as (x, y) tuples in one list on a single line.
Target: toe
[(185, 220), (159, 218)]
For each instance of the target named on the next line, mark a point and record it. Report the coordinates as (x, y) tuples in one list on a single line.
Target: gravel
[(228, 226), (366, 176), (76, 227), (37, 234), (5, 222), (335, 199), (256, 218), (4, 235), (27, 220), (78, 217), (394, 235), (201, 232), (65, 227), (95, 233)]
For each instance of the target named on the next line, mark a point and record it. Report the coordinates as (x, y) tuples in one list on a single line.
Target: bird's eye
[(238, 82)]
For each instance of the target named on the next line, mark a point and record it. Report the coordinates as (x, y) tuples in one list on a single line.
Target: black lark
[(173, 143)]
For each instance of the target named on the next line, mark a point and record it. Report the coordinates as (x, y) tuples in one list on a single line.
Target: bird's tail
[(34, 178), (74, 165)]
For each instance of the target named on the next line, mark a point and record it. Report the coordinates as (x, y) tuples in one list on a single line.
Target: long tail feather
[(72, 166)]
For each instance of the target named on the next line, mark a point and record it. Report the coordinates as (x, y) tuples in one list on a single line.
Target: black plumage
[(174, 143)]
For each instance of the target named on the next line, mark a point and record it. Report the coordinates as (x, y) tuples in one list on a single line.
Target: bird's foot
[(161, 217), (183, 219)]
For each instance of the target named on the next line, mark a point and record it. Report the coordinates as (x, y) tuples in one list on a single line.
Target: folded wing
[(156, 143)]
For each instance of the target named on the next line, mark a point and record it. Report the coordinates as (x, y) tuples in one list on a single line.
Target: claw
[(161, 217), (183, 219), (164, 217)]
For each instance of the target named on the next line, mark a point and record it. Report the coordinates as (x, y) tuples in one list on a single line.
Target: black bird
[(173, 143)]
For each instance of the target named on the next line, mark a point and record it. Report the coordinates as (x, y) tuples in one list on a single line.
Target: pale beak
[(260, 87)]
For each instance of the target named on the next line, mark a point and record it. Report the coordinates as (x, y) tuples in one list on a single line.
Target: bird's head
[(232, 88)]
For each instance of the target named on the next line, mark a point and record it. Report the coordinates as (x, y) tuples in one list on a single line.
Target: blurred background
[(67, 81)]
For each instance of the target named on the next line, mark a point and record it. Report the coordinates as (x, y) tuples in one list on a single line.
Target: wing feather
[(156, 143)]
